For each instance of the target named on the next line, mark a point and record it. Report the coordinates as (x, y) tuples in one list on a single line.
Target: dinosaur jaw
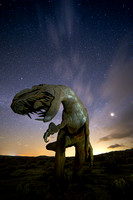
[(28, 108), (32, 102)]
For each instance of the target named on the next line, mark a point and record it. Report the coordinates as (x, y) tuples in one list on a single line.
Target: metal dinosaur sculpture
[(45, 100)]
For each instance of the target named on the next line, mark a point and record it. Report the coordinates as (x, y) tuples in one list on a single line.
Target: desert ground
[(26, 178)]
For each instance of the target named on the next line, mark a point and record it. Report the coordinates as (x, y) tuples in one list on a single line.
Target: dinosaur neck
[(68, 97), (67, 104)]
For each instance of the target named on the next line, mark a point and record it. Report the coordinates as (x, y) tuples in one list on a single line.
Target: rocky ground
[(26, 178)]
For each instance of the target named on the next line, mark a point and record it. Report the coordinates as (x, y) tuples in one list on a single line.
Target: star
[(112, 114)]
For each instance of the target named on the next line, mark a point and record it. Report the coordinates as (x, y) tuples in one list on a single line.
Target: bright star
[(112, 114)]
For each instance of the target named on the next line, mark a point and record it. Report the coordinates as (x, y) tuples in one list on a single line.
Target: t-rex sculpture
[(45, 100)]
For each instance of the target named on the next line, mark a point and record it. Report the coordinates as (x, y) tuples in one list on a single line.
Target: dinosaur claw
[(46, 141)]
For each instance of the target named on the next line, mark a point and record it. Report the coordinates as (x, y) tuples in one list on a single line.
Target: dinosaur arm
[(63, 124), (54, 129)]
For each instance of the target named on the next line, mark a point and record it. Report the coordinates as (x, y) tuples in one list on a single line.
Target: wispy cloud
[(117, 135), (68, 69), (117, 91), (118, 86), (115, 146), (60, 32), (82, 88)]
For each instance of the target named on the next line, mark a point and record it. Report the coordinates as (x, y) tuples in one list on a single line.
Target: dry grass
[(26, 178)]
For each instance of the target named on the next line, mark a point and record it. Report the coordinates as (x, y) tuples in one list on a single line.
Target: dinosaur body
[(45, 100)]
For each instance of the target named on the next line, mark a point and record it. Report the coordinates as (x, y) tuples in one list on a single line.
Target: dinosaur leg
[(79, 157), (60, 155), (88, 151), (88, 147), (90, 157)]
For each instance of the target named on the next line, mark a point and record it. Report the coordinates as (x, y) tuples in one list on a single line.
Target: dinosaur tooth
[(29, 115), (39, 119), (41, 115)]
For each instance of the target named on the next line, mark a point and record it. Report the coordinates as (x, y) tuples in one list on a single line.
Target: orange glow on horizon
[(70, 152)]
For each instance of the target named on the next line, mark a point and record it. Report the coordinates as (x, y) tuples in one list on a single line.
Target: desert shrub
[(120, 184), (41, 161), (23, 188), (129, 188), (118, 189), (112, 164), (122, 188), (28, 191), (43, 176)]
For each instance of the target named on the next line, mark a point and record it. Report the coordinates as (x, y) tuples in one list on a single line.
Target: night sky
[(84, 44)]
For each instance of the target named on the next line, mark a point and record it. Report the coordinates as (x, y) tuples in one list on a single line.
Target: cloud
[(117, 135), (57, 27), (80, 84), (67, 17), (68, 64), (119, 84), (69, 70), (117, 92), (115, 146), (63, 68), (60, 32)]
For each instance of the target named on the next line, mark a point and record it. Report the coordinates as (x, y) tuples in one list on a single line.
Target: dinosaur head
[(36, 100)]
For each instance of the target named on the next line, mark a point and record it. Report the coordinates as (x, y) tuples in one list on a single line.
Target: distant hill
[(33, 178)]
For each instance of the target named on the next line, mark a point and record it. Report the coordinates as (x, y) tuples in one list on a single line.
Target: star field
[(84, 44)]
